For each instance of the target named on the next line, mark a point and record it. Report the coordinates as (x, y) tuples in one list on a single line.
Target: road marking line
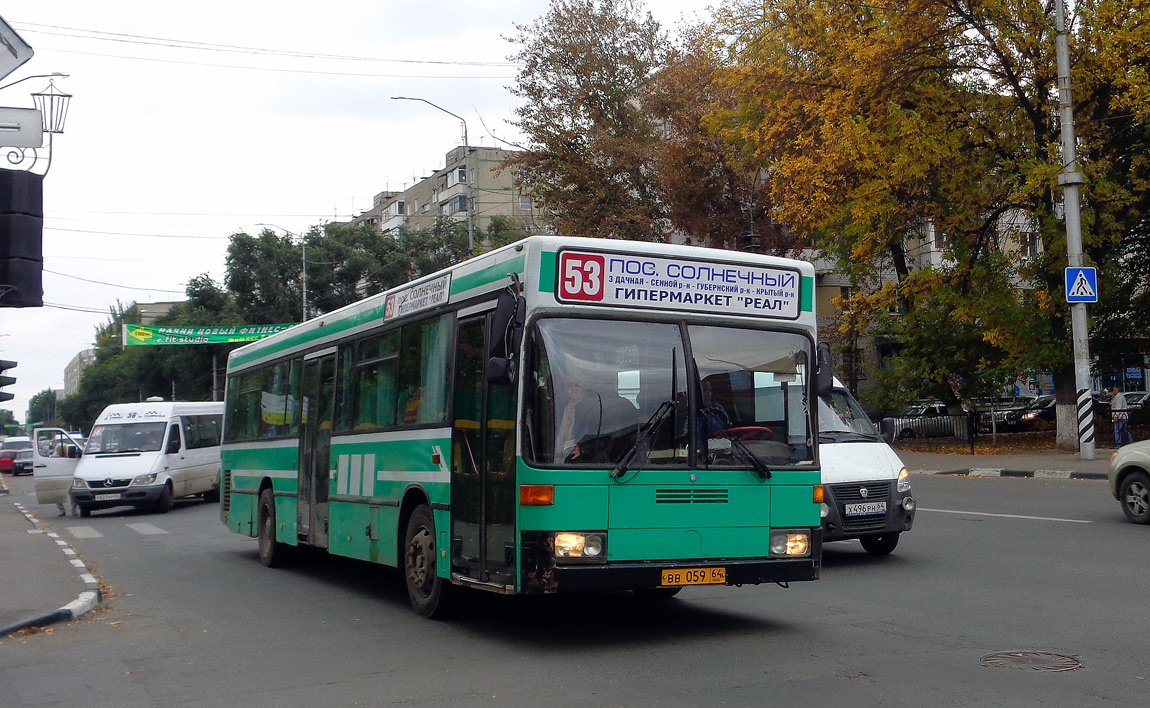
[(146, 529), (1008, 516), (84, 532)]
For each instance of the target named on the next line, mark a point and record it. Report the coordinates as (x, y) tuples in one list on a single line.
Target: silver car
[(1130, 480)]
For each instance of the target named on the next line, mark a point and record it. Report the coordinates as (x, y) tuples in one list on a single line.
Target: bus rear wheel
[(429, 593), (272, 553)]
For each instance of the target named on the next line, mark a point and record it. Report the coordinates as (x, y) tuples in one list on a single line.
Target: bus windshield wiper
[(644, 438), (761, 470)]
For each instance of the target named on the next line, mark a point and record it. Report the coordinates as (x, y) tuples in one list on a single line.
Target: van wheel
[(272, 553), (879, 545), (85, 511), (430, 594), (212, 496), (164, 504)]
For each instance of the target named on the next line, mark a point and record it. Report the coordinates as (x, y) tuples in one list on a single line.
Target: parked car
[(16, 442), (1040, 409), (1001, 414), (6, 459), (23, 462), (927, 419), (1130, 480), (1136, 399)]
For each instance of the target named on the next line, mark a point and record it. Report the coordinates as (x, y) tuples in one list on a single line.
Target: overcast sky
[(192, 121)]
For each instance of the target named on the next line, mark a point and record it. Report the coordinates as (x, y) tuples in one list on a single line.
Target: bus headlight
[(145, 479), (790, 543), (903, 480), (580, 546)]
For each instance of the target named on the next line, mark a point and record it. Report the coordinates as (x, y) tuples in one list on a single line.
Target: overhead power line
[(31, 27), (114, 285)]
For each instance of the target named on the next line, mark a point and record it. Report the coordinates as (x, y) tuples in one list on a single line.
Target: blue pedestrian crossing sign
[(1081, 285)]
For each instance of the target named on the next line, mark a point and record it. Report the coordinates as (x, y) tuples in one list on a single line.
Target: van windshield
[(840, 413), (126, 437)]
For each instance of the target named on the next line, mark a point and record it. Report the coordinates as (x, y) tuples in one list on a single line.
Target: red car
[(6, 457)]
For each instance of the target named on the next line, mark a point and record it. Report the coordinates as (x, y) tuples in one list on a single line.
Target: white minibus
[(138, 454)]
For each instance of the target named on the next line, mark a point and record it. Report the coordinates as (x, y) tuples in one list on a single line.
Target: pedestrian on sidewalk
[(1120, 414)]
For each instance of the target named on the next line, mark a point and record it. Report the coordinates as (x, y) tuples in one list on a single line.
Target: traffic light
[(21, 239), (6, 380)]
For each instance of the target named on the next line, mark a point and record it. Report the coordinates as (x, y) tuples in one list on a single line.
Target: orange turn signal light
[(818, 494), (537, 494)]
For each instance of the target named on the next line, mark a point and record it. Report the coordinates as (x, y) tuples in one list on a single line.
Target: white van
[(867, 488), (141, 454)]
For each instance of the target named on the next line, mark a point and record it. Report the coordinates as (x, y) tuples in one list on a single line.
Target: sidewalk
[(44, 582), (1037, 463)]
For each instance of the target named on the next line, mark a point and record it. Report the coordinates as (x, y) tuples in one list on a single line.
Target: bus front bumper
[(540, 573)]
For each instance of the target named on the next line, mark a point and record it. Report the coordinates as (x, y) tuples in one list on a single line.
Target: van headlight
[(903, 480), (78, 483), (580, 547), (145, 479), (790, 543)]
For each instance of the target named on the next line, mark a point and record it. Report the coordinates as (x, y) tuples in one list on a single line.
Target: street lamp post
[(466, 169), (53, 106), (303, 272)]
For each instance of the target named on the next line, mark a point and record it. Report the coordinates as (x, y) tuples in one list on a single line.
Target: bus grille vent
[(226, 490), (690, 496)]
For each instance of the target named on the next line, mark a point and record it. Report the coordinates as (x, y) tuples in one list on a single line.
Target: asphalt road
[(1045, 568)]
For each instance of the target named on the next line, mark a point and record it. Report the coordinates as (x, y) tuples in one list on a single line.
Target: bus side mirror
[(500, 371), (506, 336), (824, 374)]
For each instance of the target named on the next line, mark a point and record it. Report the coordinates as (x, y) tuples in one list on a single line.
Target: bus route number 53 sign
[(581, 276)]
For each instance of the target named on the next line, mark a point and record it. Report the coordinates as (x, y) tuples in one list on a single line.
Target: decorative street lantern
[(53, 105)]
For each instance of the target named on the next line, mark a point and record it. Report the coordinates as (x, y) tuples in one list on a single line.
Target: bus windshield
[(600, 390), (126, 437)]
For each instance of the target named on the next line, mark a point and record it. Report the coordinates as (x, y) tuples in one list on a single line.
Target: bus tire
[(655, 594), (272, 553), (164, 504), (881, 545), (429, 593)]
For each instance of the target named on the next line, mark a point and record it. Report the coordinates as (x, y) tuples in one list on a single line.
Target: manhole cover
[(1031, 660)]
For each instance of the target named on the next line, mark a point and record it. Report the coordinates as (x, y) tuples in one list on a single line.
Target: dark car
[(23, 462), (1043, 408), (1002, 414)]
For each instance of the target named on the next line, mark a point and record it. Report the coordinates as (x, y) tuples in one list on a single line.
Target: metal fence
[(957, 429)]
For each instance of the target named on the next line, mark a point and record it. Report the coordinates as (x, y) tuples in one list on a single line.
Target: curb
[(85, 602), (3, 487), (1031, 474)]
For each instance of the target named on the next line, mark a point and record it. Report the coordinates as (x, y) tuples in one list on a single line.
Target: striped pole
[(1085, 419)]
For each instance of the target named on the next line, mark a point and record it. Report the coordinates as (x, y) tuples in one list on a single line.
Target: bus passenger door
[(483, 464), (318, 390)]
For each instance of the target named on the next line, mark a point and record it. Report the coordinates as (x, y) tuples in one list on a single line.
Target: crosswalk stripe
[(146, 529), (84, 532)]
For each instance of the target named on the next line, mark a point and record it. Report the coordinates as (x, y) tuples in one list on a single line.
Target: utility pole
[(1071, 179)]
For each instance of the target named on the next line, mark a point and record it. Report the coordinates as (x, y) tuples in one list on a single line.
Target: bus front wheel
[(428, 592)]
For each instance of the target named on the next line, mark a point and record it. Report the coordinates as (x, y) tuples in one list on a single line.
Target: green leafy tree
[(588, 165), (263, 273), (43, 408)]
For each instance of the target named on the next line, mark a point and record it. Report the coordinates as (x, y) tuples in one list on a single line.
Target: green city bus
[(558, 415)]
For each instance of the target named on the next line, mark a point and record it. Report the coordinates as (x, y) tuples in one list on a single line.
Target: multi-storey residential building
[(444, 194), (75, 370)]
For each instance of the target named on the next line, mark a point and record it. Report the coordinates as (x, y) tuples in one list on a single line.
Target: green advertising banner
[(151, 336)]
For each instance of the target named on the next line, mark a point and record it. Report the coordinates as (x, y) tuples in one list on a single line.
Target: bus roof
[(535, 260)]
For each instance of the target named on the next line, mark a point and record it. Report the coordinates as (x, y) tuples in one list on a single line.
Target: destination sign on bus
[(698, 286), (417, 298)]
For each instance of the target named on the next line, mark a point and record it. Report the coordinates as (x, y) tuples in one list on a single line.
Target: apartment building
[(444, 194)]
